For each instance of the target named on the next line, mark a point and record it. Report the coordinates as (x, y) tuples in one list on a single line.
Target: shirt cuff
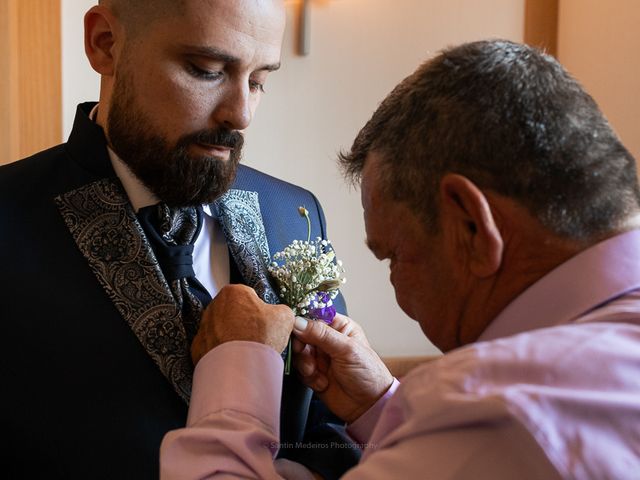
[(362, 428), (241, 376)]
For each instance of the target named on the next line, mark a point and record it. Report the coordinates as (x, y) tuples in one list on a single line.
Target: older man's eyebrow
[(217, 54)]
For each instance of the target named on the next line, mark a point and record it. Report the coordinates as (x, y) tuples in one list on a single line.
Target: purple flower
[(325, 313)]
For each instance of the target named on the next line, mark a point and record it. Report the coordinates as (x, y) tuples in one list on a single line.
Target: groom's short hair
[(512, 120), (135, 15)]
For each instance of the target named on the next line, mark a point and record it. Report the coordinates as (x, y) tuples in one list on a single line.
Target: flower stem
[(305, 213), (287, 363)]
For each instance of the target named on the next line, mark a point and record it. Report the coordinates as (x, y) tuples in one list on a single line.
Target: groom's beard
[(170, 172)]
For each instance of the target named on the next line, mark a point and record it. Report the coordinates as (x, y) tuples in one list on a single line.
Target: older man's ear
[(469, 223)]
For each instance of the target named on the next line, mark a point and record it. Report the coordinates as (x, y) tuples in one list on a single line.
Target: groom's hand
[(237, 313), (339, 364)]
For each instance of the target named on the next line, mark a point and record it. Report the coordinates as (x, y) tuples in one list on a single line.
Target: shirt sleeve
[(233, 423), (362, 428), (482, 452), (447, 422), (458, 418)]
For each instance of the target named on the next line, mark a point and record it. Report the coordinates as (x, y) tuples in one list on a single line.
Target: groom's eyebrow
[(213, 53)]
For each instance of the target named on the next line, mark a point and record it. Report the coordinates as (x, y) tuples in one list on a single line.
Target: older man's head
[(481, 172)]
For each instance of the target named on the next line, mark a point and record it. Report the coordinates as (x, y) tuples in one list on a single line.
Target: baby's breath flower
[(308, 276), (302, 270)]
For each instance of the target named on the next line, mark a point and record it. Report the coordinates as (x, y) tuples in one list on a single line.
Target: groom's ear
[(102, 33), (469, 226)]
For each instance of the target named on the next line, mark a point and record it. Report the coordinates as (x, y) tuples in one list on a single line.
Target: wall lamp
[(303, 28)]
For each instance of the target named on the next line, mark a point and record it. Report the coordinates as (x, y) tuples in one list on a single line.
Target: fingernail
[(300, 324)]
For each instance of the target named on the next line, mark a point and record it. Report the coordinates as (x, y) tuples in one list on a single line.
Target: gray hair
[(512, 120)]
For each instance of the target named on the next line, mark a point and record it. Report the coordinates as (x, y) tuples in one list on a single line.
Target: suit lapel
[(104, 226), (241, 221)]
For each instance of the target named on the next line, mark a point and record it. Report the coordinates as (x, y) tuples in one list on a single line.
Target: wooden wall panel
[(30, 83), (8, 81), (541, 24)]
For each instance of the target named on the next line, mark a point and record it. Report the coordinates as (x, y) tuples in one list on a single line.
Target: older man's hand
[(237, 313), (337, 362)]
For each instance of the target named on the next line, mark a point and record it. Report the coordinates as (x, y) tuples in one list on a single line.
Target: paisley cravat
[(171, 233)]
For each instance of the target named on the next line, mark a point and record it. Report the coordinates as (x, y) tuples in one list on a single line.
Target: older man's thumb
[(321, 335), (300, 324)]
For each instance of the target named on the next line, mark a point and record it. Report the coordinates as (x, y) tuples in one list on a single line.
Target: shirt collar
[(589, 279), (139, 195)]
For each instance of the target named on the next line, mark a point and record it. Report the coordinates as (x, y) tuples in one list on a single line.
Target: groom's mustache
[(220, 136)]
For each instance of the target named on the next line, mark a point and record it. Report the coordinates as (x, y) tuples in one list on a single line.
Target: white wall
[(315, 105), (79, 82), (599, 43), (360, 49)]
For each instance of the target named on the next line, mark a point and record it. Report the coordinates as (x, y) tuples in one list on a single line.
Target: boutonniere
[(308, 276)]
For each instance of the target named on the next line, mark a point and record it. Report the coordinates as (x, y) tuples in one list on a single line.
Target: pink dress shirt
[(551, 390)]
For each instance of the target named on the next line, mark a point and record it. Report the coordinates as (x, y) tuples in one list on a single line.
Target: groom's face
[(186, 88)]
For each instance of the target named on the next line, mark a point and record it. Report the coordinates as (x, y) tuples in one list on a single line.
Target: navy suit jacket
[(81, 397)]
